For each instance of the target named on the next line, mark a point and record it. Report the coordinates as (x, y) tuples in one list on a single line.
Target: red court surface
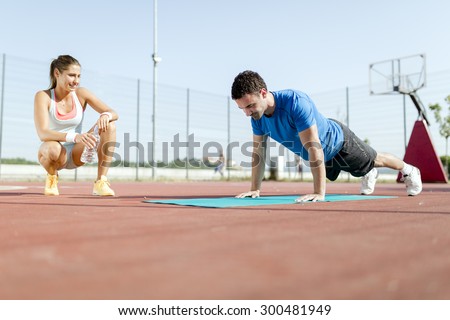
[(77, 246)]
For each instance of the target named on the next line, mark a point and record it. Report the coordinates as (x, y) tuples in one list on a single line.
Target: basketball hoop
[(400, 76)]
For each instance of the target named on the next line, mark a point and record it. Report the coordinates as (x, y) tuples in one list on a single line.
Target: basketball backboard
[(401, 75)]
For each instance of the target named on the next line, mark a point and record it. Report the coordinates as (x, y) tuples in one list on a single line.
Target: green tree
[(444, 124)]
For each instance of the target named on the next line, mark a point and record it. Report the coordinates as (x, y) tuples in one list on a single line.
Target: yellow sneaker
[(101, 187), (51, 185)]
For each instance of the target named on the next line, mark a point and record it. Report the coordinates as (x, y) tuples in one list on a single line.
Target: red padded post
[(422, 154)]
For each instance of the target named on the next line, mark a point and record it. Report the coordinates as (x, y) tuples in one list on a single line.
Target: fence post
[(288, 161), (228, 156), (1, 110), (137, 126), (187, 132), (347, 99), (404, 122)]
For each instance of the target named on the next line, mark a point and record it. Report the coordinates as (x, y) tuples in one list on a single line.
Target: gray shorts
[(69, 163), (355, 156)]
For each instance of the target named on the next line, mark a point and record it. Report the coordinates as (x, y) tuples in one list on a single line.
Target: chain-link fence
[(198, 126)]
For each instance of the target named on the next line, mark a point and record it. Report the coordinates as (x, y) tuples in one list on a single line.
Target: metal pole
[(393, 76), (404, 121), (137, 126), (187, 134), (1, 111), (288, 161), (347, 118), (347, 106), (156, 59), (446, 158), (228, 156)]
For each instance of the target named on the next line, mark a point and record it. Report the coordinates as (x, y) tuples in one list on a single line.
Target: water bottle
[(89, 154)]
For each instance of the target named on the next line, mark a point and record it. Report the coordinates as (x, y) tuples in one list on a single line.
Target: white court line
[(4, 188), (42, 187)]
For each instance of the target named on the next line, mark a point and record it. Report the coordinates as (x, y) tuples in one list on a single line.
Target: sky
[(313, 46)]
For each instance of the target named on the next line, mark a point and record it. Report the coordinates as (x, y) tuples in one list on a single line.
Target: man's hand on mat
[(253, 194), (311, 197)]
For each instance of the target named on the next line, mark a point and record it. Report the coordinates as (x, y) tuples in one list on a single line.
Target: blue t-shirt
[(295, 112)]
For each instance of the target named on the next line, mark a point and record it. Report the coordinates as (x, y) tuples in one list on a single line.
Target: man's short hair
[(247, 82)]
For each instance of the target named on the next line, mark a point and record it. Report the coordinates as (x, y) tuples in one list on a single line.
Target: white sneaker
[(413, 182), (368, 182)]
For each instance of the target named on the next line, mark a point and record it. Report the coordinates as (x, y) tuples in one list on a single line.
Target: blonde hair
[(61, 63)]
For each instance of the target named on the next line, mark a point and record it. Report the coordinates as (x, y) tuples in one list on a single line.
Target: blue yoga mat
[(228, 202)]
